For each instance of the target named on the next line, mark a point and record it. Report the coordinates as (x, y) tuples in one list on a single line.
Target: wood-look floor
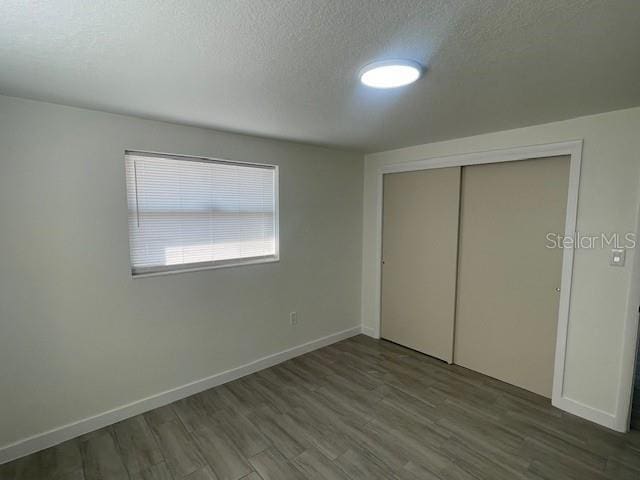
[(359, 409)]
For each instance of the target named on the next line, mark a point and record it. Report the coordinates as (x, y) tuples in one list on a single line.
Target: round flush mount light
[(390, 73)]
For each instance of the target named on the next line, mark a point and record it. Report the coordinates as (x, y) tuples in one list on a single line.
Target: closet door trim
[(574, 150)]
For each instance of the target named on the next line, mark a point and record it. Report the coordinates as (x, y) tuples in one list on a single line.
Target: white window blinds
[(187, 212)]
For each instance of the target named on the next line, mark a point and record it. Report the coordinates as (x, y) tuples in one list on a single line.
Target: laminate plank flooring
[(358, 409)]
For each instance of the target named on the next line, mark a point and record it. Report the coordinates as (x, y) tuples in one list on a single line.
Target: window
[(191, 213)]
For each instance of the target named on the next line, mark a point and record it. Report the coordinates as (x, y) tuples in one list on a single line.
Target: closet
[(420, 238), (467, 276)]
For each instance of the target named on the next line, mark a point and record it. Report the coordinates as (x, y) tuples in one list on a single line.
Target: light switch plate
[(617, 257)]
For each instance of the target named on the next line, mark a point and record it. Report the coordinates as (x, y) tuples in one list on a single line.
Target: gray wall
[(79, 335)]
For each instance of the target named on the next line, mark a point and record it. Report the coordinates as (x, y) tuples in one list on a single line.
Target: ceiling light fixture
[(390, 73)]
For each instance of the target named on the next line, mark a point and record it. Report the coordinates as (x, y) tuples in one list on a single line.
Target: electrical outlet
[(293, 318)]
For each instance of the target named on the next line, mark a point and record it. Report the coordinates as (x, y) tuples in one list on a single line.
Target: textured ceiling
[(288, 68)]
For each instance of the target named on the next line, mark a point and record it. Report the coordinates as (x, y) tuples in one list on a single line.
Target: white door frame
[(574, 150)]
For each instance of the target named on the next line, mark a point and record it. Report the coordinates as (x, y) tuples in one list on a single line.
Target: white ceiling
[(288, 68)]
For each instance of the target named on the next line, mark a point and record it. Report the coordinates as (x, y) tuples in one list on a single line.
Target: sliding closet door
[(420, 231), (507, 307)]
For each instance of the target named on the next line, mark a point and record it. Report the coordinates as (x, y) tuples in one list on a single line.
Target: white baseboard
[(61, 434), (592, 414), (368, 331)]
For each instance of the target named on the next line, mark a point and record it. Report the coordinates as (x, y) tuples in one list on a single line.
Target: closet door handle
[(557, 289)]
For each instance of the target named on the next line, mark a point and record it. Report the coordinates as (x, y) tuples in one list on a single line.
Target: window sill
[(196, 267)]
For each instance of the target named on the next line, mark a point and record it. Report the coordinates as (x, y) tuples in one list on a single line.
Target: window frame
[(141, 272)]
